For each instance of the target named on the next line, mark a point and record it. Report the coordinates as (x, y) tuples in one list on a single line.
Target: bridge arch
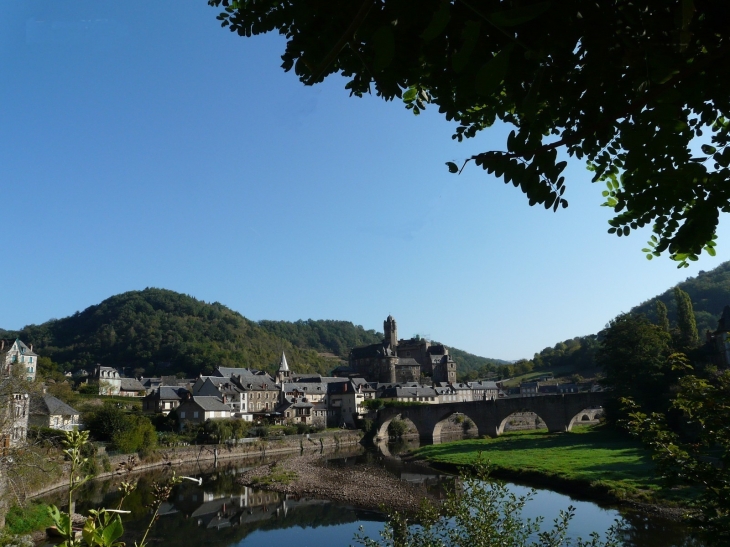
[(383, 430), (529, 418), (585, 415), (438, 428)]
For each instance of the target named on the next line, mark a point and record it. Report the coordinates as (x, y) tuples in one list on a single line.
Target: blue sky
[(141, 145)]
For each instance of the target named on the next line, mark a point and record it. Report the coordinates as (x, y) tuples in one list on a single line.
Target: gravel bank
[(365, 486)]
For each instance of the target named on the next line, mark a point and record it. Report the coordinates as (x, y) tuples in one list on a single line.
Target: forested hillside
[(326, 336), (161, 331), (709, 291), (156, 331)]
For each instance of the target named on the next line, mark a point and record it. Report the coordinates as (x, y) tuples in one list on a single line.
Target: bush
[(396, 428), (289, 430), (303, 428), (90, 388), (24, 520)]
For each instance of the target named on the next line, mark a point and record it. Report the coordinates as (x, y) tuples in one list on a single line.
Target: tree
[(634, 354), (662, 316), (686, 322), (628, 85), (700, 458)]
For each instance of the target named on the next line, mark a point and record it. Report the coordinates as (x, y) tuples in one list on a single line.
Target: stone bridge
[(559, 412)]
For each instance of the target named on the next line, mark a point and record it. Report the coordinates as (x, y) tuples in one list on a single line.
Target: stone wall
[(181, 455)]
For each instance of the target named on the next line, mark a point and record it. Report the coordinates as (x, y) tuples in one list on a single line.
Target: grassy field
[(594, 460)]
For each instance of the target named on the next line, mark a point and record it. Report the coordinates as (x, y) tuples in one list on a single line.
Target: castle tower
[(282, 375), (391, 333)]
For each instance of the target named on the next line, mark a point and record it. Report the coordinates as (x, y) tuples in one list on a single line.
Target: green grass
[(591, 458), (24, 520), (275, 477)]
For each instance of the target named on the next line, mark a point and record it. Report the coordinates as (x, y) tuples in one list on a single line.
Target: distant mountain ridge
[(158, 331)]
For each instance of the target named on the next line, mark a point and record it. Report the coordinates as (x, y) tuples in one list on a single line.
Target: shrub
[(396, 428), (24, 520)]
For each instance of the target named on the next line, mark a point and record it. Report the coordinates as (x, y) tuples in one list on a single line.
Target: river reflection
[(222, 513)]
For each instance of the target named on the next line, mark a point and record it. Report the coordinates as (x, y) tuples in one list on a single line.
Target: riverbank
[(366, 486), (181, 456), (592, 463)]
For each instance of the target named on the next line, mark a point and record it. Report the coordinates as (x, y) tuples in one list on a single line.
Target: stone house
[(197, 410), (14, 415), (346, 402), (131, 387), (483, 390), (17, 354), (259, 394), (225, 389), (529, 389), (445, 393), (164, 399), (409, 394), (51, 412)]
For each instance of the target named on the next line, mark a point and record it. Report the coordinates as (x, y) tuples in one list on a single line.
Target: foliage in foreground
[(700, 454), (102, 527), (626, 85), (481, 512)]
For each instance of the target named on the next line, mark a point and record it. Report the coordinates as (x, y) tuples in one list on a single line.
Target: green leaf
[(710, 251), (112, 531), (438, 22), (707, 149), (384, 42), (453, 168), (410, 94), (492, 73), (460, 59), (517, 16)]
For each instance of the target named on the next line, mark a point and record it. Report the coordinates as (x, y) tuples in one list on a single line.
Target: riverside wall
[(183, 455)]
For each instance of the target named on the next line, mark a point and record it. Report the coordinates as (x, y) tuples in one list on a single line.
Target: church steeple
[(391, 333), (283, 373)]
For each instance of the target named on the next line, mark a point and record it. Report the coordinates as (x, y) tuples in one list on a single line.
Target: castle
[(400, 361)]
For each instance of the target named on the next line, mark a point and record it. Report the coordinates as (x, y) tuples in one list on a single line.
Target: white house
[(17, 354)]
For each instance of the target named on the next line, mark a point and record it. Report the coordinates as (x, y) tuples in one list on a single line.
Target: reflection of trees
[(648, 531)]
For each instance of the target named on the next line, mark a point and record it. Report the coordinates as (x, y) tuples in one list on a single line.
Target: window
[(195, 414), (182, 414), (30, 359)]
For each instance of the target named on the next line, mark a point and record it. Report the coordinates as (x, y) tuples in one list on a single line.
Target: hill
[(709, 291), (157, 331)]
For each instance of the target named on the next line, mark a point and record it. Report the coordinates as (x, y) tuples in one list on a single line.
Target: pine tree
[(662, 316), (686, 319)]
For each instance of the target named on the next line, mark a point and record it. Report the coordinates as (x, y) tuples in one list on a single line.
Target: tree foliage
[(635, 356), (700, 455), (686, 323), (627, 85), (662, 316)]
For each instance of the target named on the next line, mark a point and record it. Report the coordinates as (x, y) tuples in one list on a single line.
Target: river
[(221, 513)]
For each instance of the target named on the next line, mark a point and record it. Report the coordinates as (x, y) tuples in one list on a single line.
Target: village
[(393, 372)]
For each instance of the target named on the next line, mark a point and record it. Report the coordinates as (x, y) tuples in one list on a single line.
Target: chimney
[(31, 347), (2, 347)]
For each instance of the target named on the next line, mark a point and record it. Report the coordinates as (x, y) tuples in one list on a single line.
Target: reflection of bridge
[(559, 412)]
